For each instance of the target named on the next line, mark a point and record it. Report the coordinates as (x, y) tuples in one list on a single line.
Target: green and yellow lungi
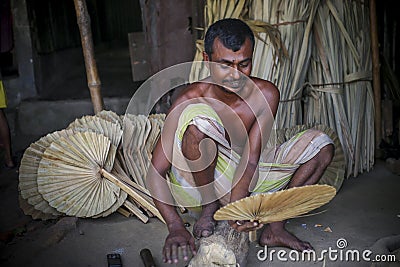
[(3, 97), (276, 167)]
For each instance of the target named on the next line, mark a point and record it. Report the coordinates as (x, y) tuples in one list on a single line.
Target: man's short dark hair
[(231, 32)]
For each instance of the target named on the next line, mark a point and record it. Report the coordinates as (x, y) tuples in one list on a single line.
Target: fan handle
[(253, 234)]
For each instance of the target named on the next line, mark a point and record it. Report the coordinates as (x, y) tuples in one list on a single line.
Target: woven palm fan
[(110, 116), (335, 172), (28, 172), (140, 136), (157, 122), (136, 131), (277, 206), (106, 115), (28, 209), (96, 124), (129, 134), (69, 175), (108, 124)]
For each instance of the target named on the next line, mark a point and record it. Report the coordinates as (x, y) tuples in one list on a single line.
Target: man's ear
[(205, 56), (206, 60)]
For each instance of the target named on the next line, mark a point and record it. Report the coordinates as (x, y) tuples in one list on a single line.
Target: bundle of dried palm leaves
[(339, 80)]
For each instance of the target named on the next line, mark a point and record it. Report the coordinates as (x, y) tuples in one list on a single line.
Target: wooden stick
[(132, 193), (124, 212), (253, 234), (135, 210), (87, 47), (375, 70)]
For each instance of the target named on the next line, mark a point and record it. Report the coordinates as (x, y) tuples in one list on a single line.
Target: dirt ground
[(365, 210)]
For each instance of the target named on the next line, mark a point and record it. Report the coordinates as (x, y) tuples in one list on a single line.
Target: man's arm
[(158, 186), (246, 174), (178, 235)]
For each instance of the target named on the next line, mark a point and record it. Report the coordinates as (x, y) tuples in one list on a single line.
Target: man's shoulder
[(191, 91), (267, 87), (263, 84)]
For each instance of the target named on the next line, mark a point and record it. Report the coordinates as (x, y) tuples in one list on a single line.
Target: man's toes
[(206, 233), (197, 232), (306, 246)]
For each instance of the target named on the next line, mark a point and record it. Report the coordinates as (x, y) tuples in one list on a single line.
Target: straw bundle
[(294, 20), (338, 80), (358, 87)]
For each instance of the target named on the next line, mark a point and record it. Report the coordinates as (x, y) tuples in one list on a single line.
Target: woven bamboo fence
[(317, 52)]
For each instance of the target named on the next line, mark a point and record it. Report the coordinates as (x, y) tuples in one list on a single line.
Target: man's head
[(229, 45), (231, 32)]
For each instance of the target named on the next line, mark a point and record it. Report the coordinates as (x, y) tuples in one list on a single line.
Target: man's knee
[(326, 155), (191, 142)]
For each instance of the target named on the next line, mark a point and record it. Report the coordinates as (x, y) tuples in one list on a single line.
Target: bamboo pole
[(90, 62), (375, 72)]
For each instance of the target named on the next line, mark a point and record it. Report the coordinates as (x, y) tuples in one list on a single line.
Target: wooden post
[(376, 72), (94, 83)]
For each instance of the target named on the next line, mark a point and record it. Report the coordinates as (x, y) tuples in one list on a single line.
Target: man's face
[(233, 68)]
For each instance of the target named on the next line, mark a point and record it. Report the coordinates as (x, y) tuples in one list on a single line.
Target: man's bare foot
[(278, 236), (205, 225)]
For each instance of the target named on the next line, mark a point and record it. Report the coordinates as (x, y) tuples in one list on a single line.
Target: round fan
[(98, 125), (28, 172), (335, 172), (277, 206), (69, 175), (110, 116), (28, 209)]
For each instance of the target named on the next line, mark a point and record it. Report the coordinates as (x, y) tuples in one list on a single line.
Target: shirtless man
[(241, 106)]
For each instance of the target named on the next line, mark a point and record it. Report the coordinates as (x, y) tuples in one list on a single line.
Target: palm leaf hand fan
[(277, 206), (28, 171), (70, 175)]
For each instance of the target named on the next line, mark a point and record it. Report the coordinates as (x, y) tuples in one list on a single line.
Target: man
[(214, 138)]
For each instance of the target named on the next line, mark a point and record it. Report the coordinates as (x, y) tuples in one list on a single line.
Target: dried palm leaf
[(277, 206)]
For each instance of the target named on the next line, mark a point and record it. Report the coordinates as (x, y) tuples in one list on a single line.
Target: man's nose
[(235, 73)]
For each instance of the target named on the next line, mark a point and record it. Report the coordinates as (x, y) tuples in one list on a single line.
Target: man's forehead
[(221, 53), (219, 42)]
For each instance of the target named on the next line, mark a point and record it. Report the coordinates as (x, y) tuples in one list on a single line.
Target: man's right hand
[(178, 239)]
